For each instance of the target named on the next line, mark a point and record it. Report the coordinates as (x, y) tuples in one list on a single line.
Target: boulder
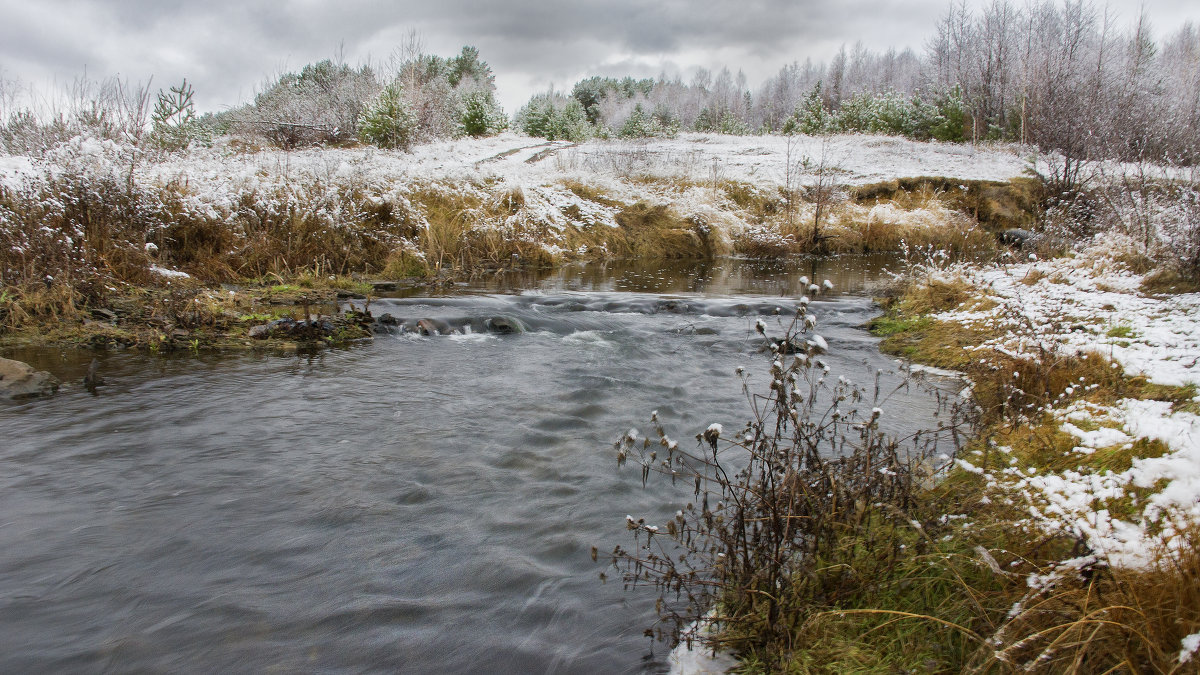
[(505, 325), (672, 306), (92, 378), (101, 314), (19, 380), (433, 327), (1019, 238)]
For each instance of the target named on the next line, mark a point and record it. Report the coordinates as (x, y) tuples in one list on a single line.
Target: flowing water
[(418, 504)]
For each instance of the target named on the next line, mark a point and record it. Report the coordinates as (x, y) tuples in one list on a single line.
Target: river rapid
[(422, 503)]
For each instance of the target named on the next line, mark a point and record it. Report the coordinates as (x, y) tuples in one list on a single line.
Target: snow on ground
[(1165, 489), (522, 160), (698, 661), (1088, 302), (852, 159), (173, 274)]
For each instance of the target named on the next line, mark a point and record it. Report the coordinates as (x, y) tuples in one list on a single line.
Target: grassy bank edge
[(954, 591), (84, 249)]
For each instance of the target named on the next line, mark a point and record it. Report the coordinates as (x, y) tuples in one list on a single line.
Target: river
[(417, 504)]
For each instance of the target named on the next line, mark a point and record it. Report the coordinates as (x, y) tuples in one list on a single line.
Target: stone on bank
[(19, 380)]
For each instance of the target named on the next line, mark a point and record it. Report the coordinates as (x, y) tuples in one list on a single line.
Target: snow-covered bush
[(554, 116), (641, 124), (1160, 216), (388, 121), (432, 98), (811, 117), (321, 104), (481, 115), (1183, 231), (451, 97), (79, 222), (24, 134), (111, 109), (859, 114), (949, 123)]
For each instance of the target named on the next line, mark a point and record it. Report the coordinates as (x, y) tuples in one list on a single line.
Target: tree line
[(1062, 76)]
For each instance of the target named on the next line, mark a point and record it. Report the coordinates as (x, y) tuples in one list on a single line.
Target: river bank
[(236, 248), (110, 244), (1063, 532), (1066, 531)]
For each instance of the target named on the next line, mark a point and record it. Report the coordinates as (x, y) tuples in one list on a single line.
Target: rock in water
[(20, 380), (92, 379), (505, 325), (433, 327)]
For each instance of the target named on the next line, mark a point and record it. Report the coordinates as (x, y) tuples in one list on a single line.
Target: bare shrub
[(774, 504), (1159, 210), (111, 109), (320, 104)]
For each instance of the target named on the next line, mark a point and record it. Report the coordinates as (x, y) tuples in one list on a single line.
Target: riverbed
[(421, 503)]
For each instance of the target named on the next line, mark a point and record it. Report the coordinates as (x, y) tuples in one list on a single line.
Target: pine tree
[(388, 121)]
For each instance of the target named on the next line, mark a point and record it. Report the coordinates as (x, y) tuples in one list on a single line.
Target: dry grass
[(995, 205), (964, 604), (884, 227), (656, 231), (759, 204), (1115, 621), (1089, 618), (854, 226), (38, 304), (591, 193), (1167, 280)]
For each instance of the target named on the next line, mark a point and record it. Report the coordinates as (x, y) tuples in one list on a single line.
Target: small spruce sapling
[(174, 117)]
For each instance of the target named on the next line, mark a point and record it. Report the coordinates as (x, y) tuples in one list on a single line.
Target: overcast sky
[(228, 48)]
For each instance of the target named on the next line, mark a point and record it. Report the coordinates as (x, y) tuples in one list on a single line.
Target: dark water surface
[(419, 504)]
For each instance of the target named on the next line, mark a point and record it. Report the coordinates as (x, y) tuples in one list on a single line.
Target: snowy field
[(1073, 303), (1091, 303), (521, 160)]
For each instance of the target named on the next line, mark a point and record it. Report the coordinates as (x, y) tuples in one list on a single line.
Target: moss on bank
[(187, 317)]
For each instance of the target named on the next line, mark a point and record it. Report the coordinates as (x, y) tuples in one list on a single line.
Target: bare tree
[(821, 191)]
